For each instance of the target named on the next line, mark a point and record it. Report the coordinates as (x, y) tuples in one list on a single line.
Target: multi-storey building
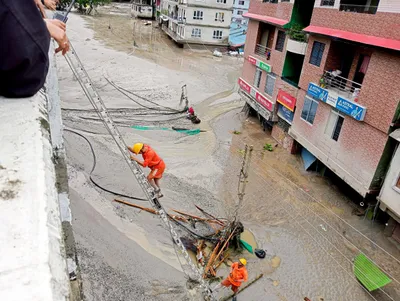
[(238, 30), (240, 7), (323, 74), (197, 21), (142, 9)]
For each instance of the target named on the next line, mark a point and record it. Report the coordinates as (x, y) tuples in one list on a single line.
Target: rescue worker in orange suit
[(152, 161), (237, 276)]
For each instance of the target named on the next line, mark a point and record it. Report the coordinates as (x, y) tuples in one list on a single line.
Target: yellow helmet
[(243, 261), (137, 147)]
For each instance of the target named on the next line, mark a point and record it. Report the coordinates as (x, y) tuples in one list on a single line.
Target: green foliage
[(296, 33), (268, 147), (81, 5)]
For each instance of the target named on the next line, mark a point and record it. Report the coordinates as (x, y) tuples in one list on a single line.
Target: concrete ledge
[(32, 263), (296, 47)]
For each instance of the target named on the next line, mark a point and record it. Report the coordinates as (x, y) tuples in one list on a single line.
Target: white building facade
[(389, 197), (142, 9), (240, 7), (198, 22)]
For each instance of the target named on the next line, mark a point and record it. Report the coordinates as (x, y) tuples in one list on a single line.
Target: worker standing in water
[(237, 276), (152, 161)]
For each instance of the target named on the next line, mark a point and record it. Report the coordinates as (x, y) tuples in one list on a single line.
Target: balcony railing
[(363, 9), (171, 33), (341, 85), (263, 51)]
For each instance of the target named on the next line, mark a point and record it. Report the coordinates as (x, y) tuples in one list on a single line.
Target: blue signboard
[(285, 114), (317, 92), (344, 105), (350, 108)]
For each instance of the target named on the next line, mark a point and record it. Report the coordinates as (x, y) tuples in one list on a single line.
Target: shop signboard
[(259, 64), (252, 60), (350, 108), (317, 92), (244, 86), (261, 99), (344, 105), (286, 100), (264, 101), (285, 114)]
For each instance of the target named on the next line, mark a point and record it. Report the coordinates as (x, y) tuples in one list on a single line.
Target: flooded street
[(301, 219)]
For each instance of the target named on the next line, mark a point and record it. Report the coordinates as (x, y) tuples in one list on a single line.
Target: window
[(316, 53), (309, 110), (270, 1), (196, 33), (334, 125), (219, 17), (257, 78), (221, 1), (197, 15), (241, 2), (398, 182), (270, 84), (327, 2), (280, 41), (217, 34), (240, 12)]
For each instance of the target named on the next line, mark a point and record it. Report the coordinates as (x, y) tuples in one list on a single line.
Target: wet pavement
[(126, 254)]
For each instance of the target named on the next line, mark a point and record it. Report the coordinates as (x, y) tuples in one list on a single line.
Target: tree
[(84, 6)]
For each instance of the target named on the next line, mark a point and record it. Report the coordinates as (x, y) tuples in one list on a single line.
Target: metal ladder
[(100, 108)]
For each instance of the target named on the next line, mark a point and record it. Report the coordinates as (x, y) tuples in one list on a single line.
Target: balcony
[(340, 85), (297, 42), (263, 51)]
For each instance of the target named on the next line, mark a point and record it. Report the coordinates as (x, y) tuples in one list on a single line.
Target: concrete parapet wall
[(33, 263)]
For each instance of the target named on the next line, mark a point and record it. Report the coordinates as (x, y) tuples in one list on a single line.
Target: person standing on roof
[(152, 161), (236, 277)]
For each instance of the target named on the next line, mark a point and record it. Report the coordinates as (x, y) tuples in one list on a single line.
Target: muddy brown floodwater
[(126, 254)]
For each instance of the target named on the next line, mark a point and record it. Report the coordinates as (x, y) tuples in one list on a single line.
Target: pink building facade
[(331, 91)]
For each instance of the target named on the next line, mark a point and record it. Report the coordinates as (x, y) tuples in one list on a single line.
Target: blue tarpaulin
[(308, 158), (237, 34)]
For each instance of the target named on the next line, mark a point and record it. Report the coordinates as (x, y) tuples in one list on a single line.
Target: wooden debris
[(210, 215), (211, 260), (150, 210), (225, 233), (196, 217)]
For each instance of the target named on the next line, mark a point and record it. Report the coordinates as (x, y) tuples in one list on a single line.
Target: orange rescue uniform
[(154, 162), (234, 277)]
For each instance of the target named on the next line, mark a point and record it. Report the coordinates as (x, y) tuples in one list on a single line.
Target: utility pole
[(243, 175)]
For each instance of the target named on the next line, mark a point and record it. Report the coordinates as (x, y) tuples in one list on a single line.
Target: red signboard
[(264, 101), (252, 60), (244, 86), (286, 100)]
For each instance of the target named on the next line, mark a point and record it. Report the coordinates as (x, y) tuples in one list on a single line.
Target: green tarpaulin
[(153, 128), (369, 274)]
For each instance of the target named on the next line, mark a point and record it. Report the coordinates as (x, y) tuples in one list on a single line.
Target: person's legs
[(235, 290), (158, 173), (150, 178)]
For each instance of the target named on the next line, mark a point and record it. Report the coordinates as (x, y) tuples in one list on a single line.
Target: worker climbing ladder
[(100, 108)]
